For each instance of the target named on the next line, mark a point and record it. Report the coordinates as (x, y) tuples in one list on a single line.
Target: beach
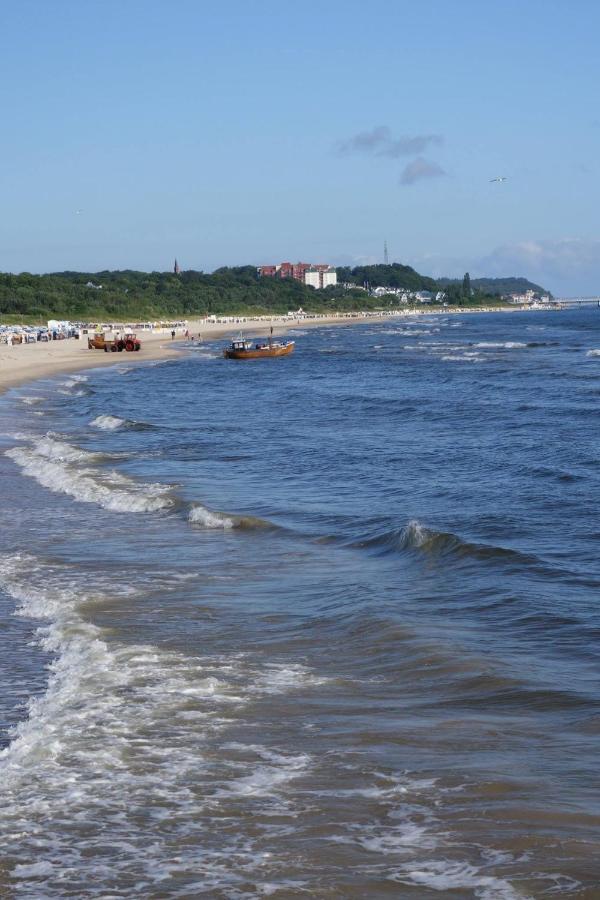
[(26, 362), (318, 626)]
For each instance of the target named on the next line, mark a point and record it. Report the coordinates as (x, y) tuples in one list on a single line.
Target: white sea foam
[(117, 742), (463, 357), (504, 345), (447, 875), (16, 436), (207, 518), (414, 535), (66, 469), (108, 423), (275, 769), (279, 678), (31, 401), (73, 381), (593, 353), (71, 393), (215, 520)]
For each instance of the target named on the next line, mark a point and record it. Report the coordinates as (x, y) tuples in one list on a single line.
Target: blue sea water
[(325, 625)]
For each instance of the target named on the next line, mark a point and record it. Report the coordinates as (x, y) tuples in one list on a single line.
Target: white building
[(320, 277), (329, 277), (312, 278)]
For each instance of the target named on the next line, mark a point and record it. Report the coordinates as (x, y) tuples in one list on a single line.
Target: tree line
[(93, 296)]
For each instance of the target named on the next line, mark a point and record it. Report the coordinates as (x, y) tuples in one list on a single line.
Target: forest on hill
[(394, 275), (129, 294), (499, 286), (140, 295)]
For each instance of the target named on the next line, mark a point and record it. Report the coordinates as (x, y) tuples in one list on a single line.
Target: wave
[(593, 353), (75, 379), (447, 875), (114, 423), (74, 386), (108, 423), (117, 732), (213, 519), (415, 536), (53, 448), (65, 469), (502, 345)]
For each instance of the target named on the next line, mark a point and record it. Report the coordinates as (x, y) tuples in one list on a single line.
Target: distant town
[(316, 275), (323, 275)]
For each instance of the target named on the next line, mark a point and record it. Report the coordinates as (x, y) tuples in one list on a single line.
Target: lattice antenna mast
[(386, 258)]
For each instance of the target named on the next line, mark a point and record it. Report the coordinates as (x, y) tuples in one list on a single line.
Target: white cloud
[(567, 266)]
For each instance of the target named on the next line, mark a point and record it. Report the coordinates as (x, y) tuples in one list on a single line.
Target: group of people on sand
[(187, 335)]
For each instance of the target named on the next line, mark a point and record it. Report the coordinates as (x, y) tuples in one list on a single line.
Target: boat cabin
[(241, 345)]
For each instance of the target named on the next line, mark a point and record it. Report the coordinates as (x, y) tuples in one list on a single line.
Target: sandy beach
[(27, 362)]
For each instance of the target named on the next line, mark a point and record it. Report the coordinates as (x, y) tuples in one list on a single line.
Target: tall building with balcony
[(317, 275)]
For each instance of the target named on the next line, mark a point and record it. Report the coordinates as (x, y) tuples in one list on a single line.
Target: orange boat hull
[(259, 352)]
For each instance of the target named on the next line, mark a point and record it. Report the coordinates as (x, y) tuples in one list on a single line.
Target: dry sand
[(27, 362)]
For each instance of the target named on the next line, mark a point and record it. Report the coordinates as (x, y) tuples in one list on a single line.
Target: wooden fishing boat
[(242, 349)]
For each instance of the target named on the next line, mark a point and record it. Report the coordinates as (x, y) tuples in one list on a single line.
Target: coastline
[(28, 362)]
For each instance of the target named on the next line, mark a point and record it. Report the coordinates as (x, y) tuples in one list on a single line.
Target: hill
[(128, 294), (499, 286), (394, 275)]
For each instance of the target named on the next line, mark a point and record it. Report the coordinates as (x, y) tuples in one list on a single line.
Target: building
[(328, 277), (527, 297), (317, 275), (176, 269), (312, 277)]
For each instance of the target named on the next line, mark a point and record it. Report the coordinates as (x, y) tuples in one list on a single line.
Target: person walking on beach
[(173, 335)]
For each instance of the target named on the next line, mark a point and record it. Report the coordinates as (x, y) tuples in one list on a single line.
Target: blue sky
[(256, 131)]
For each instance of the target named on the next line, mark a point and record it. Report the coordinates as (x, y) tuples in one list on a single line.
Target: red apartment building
[(292, 270)]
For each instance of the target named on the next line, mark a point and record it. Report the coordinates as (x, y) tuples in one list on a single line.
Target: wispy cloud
[(380, 142), (569, 265), (420, 168), (566, 266)]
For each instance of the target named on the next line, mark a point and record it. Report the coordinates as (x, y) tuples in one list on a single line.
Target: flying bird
[(78, 212), (499, 178)]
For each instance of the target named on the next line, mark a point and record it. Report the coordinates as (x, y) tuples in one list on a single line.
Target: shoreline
[(21, 364)]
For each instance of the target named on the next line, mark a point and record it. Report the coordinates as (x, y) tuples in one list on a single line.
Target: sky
[(255, 131)]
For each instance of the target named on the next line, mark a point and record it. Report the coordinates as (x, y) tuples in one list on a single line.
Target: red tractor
[(128, 342)]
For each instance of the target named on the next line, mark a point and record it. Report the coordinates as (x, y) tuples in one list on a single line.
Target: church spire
[(176, 269)]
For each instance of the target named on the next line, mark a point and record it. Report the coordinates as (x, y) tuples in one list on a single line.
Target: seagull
[(499, 178)]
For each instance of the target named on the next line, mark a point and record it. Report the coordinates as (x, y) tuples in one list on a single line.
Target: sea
[(320, 626)]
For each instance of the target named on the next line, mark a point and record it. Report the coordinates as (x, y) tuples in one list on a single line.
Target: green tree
[(466, 286)]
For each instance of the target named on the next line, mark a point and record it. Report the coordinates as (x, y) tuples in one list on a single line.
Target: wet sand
[(27, 362)]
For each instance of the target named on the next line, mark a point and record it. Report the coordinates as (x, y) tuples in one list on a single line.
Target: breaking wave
[(116, 734), (213, 519), (415, 536), (66, 469), (502, 345), (114, 423), (108, 423)]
